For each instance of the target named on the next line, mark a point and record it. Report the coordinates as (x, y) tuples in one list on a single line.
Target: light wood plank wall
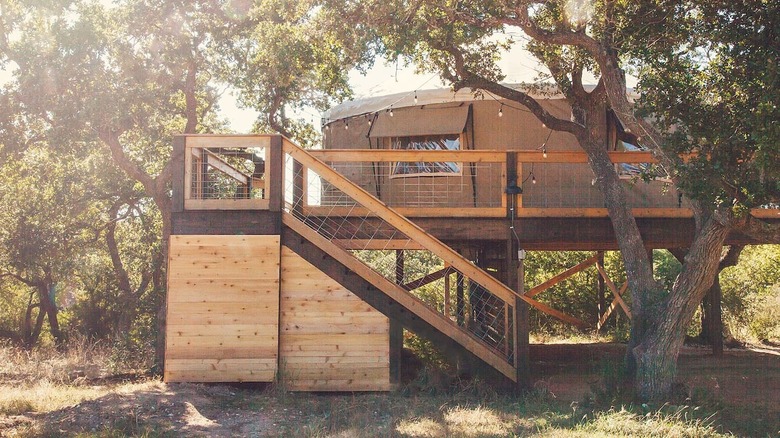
[(330, 340), (223, 309)]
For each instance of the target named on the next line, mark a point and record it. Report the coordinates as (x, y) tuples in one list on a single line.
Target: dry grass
[(46, 393)]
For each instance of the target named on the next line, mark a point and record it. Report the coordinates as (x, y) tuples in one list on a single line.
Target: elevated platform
[(283, 266)]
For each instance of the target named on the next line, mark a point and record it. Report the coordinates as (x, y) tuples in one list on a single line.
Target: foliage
[(717, 97), (734, 168), (95, 95), (751, 295)]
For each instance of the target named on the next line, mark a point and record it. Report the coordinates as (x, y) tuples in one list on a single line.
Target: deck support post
[(601, 291), (396, 329), (515, 277), (521, 330)]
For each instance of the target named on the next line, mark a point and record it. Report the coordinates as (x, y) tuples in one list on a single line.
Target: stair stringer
[(395, 302)]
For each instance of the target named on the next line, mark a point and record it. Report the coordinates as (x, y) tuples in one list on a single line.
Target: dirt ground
[(742, 382)]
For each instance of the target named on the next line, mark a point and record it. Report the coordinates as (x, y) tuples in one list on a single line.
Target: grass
[(48, 393)]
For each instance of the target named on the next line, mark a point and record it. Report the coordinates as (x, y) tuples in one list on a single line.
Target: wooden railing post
[(275, 174)]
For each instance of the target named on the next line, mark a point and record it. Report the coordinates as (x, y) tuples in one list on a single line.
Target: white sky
[(388, 78), (384, 78)]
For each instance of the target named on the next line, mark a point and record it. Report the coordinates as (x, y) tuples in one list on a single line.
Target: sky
[(389, 78), (386, 78)]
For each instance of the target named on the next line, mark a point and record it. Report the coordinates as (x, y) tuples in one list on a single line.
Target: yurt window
[(449, 142)]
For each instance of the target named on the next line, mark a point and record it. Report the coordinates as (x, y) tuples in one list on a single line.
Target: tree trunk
[(126, 296), (716, 317), (656, 353), (49, 307), (31, 333), (645, 291)]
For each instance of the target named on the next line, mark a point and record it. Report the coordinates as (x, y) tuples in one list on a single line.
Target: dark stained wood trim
[(396, 351), (248, 222), (177, 173)]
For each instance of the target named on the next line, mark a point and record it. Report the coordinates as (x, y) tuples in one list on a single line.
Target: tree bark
[(656, 352)]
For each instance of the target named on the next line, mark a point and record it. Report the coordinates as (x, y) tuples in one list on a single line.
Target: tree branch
[(763, 231), (731, 258), (524, 99), (565, 37)]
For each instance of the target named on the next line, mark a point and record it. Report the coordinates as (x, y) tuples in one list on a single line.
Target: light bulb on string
[(391, 111), (346, 125), (501, 111), (544, 150), (415, 97), (533, 178)]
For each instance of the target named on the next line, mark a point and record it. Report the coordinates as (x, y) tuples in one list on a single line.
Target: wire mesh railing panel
[(380, 244), (473, 185), (226, 173), (572, 185)]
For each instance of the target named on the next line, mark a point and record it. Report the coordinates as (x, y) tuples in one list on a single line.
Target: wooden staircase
[(487, 350)]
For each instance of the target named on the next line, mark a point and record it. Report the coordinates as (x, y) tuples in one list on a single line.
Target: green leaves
[(718, 96)]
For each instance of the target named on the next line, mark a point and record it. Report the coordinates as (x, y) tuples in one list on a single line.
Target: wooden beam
[(377, 244), (590, 261), (473, 156), (427, 279), (583, 212), (178, 180), (226, 168), (465, 211), (614, 290), (231, 140), (544, 308), (392, 155), (226, 204), (612, 306), (765, 213), (274, 172)]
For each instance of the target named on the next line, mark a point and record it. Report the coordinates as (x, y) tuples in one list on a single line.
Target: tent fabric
[(417, 121)]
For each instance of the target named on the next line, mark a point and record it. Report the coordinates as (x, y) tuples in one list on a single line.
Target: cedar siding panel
[(223, 308), (330, 340)]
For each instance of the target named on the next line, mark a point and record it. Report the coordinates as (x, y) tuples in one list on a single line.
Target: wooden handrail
[(472, 156), (417, 234)]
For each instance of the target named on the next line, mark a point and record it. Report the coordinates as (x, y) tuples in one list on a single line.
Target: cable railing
[(558, 184), (226, 172)]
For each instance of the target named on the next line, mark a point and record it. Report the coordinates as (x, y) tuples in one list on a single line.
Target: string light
[(346, 124), (543, 147), (533, 178), (415, 97), (501, 111), (391, 111)]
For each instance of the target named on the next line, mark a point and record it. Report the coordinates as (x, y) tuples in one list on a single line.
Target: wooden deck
[(334, 314)]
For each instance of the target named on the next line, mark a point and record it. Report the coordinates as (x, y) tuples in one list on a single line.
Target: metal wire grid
[(392, 254), (476, 185), (227, 173), (568, 185)]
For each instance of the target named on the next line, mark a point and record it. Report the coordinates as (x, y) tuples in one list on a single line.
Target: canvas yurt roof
[(405, 99)]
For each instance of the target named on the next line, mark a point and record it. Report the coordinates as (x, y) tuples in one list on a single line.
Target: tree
[(131, 75), (462, 41), (49, 211)]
